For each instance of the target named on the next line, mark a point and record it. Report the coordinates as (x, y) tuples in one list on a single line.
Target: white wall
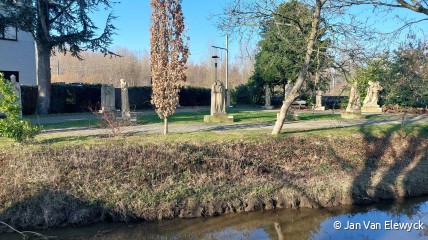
[(20, 56)]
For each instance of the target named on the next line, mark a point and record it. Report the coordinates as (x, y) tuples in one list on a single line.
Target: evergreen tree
[(61, 25)]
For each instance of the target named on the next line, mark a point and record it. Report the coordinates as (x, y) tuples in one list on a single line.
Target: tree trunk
[(303, 71), (165, 125), (43, 79)]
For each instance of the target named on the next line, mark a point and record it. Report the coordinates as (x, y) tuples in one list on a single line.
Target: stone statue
[(268, 95), (287, 90), (354, 104), (126, 114), (218, 103), (372, 94), (17, 89), (318, 101), (107, 98)]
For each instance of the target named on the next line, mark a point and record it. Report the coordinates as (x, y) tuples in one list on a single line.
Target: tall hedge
[(72, 98), (194, 96), (29, 99), (139, 97)]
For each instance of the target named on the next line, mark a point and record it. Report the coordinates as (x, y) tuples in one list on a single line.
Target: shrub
[(13, 126), (248, 93)]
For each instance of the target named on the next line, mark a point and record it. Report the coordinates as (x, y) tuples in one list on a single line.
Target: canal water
[(403, 219)]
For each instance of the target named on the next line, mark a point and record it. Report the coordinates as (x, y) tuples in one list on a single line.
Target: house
[(18, 55)]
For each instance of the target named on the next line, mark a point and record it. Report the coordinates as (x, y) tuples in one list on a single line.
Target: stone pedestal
[(290, 117), (218, 118), (267, 107), (371, 109), (352, 115), (320, 108)]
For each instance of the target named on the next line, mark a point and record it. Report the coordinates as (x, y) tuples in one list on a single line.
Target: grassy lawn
[(226, 136), (72, 124), (240, 116)]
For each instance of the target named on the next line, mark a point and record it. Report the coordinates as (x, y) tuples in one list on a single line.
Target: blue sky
[(134, 21), (133, 25)]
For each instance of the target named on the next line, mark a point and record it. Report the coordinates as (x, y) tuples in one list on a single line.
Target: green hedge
[(247, 94), (72, 98), (29, 99), (194, 96)]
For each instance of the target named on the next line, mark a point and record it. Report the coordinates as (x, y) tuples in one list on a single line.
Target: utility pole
[(227, 71)]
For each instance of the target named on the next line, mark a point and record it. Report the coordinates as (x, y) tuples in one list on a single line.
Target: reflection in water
[(273, 224)]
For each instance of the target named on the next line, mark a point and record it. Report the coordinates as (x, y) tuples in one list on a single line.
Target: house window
[(7, 74), (9, 33)]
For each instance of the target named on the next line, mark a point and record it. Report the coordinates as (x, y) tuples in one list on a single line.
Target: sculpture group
[(370, 104), (218, 104)]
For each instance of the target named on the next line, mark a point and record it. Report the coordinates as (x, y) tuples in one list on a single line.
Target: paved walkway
[(158, 128)]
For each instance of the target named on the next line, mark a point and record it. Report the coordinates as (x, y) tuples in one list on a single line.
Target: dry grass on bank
[(80, 181)]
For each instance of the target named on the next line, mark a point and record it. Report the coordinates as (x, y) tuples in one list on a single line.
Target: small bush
[(13, 126)]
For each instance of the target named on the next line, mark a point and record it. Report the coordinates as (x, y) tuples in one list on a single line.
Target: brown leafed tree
[(168, 56)]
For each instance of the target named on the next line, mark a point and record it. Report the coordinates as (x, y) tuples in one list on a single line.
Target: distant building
[(18, 55)]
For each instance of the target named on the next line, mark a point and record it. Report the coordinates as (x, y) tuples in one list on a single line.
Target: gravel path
[(158, 128)]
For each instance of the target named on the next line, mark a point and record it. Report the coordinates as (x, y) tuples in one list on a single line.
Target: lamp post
[(227, 69), (215, 57)]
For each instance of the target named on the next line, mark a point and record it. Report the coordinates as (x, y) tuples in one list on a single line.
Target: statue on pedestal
[(354, 104), (372, 94), (17, 89), (126, 114), (218, 100), (268, 96), (107, 98)]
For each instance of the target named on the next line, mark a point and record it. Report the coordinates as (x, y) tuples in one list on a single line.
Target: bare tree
[(168, 56), (95, 68), (352, 38), (238, 17)]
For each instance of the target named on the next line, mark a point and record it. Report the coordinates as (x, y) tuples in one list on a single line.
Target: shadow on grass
[(395, 165)]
